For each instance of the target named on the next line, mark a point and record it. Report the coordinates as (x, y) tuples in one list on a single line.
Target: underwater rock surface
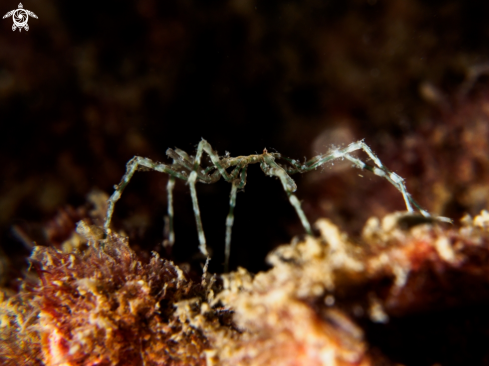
[(326, 300)]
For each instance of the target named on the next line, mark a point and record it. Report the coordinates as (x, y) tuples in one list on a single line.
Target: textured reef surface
[(408, 283)]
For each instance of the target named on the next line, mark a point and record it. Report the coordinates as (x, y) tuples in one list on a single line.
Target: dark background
[(92, 84)]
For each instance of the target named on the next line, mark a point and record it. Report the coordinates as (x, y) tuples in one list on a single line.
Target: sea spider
[(187, 168)]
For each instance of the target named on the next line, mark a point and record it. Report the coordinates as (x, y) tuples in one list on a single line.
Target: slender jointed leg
[(229, 226), (205, 146), (132, 166), (193, 192), (382, 171), (169, 190), (230, 218), (289, 187), (216, 161), (379, 170)]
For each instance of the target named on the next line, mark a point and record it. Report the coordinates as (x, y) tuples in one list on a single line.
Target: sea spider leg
[(270, 167), (221, 165), (229, 225), (379, 170), (169, 190), (131, 167), (195, 203), (230, 218), (216, 161), (181, 158), (382, 171), (402, 188), (396, 181), (205, 146)]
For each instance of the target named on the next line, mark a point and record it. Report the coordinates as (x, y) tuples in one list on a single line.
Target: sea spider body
[(189, 169)]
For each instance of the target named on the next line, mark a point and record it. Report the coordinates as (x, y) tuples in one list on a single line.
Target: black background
[(92, 84)]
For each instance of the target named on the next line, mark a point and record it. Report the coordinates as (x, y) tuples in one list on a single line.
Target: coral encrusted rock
[(410, 283), (101, 306)]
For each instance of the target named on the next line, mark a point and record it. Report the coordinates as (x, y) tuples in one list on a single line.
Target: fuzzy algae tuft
[(101, 305)]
